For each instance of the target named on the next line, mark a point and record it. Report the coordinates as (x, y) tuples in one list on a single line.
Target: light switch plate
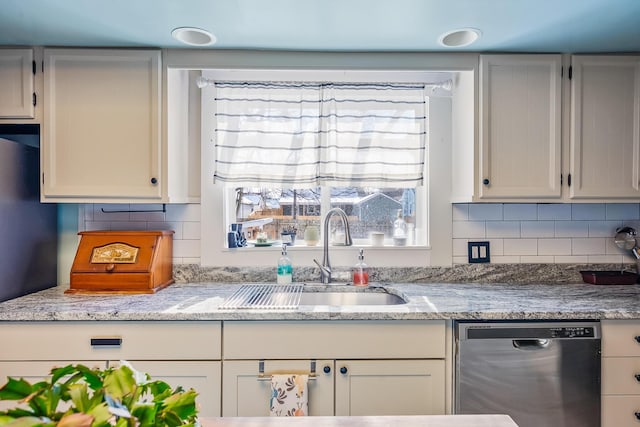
[(478, 252)]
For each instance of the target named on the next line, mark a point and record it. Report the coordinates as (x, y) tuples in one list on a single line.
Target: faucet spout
[(325, 267)]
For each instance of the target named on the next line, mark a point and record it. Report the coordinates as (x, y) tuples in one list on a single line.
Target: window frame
[(213, 200)]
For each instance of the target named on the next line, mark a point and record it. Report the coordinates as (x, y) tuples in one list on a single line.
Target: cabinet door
[(205, 377), (390, 387), (520, 127), (35, 371), (245, 394), (102, 137), (16, 83), (605, 127)]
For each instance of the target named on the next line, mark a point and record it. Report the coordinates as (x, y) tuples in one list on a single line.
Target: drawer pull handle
[(106, 342), (637, 338)]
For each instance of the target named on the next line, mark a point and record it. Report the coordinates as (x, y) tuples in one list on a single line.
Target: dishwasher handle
[(531, 344)]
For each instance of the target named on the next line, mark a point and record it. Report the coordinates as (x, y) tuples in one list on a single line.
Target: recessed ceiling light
[(193, 36), (460, 37)]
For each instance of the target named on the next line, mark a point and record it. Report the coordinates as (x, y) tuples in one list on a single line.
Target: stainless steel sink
[(347, 298)]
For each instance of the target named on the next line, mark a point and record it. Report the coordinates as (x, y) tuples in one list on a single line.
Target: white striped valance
[(301, 135)]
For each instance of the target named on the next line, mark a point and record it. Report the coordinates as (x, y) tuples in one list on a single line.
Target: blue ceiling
[(567, 26)]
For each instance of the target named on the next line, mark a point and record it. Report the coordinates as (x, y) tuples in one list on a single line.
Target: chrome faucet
[(325, 268)]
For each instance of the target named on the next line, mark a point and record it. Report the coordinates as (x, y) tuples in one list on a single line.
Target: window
[(219, 201), (369, 210)]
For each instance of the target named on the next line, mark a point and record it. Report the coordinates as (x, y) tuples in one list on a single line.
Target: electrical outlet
[(478, 252)]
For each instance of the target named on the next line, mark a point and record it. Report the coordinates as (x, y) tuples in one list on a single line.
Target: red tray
[(609, 277)]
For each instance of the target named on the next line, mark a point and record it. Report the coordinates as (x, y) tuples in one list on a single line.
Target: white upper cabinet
[(102, 135), (605, 127), (520, 127), (17, 83)]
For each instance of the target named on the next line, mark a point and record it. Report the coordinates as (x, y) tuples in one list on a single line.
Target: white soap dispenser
[(285, 269)]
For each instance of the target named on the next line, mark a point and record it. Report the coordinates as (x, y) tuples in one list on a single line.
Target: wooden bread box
[(122, 262)]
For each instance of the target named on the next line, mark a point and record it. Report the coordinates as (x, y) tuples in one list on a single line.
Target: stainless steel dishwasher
[(542, 374)]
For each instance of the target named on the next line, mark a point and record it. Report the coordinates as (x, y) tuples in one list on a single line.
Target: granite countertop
[(201, 301)]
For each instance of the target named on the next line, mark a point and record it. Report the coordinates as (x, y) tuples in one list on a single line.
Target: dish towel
[(289, 395)]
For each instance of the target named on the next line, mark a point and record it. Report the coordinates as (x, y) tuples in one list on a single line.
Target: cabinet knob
[(637, 376), (343, 370), (326, 369), (637, 414), (110, 267), (485, 181), (637, 338), (154, 180)]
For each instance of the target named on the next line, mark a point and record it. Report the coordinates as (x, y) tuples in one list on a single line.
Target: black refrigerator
[(28, 228)]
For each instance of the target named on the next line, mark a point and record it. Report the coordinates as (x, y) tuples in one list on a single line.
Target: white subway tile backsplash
[(571, 228), (186, 248), (587, 211), (485, 212), (111, 212), (191, 230), (556, 232), (537, 229), (496, 247), (129, 225), (520, 247), (469, 229), (175, 226), (573, 259), (190, 260), (505, 260), (554, 247), (460, 247), (461, 212), (603, 228), (520, 211), (529, 259), (146, 212), (608, 259), (96, 226), (503, 229), (554, 211), (187, 212), (623, 211), (588, 246)]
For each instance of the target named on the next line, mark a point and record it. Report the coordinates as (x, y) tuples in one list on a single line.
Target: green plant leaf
[(101, 415), (27, 422), (183, 404), (57, 373), (92, 377), (119, 382), (15, 389), (80, 397), (146, 414)]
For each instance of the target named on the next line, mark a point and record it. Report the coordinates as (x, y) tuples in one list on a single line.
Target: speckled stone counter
[(201, 301)]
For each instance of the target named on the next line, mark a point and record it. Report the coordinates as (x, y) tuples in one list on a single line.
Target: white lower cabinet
[(390, 387), (246, 394), (180, 353), (361, 367), (620, 373)]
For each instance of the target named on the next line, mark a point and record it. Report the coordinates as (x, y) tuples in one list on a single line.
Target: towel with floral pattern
[(289, 395)]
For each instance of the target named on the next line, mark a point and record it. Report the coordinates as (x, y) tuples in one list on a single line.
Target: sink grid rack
[(264, 297)]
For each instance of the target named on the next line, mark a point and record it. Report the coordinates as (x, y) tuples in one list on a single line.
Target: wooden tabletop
[(368, 421)]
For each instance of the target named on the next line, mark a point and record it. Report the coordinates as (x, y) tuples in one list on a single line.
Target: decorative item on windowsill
[(311, 235), (77, 396), (288, 234)]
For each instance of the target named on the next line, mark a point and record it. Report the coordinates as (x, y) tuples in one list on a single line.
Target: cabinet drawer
[(334, 339), (619, 338), (137, 340), (619, 375), (620, 411)]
